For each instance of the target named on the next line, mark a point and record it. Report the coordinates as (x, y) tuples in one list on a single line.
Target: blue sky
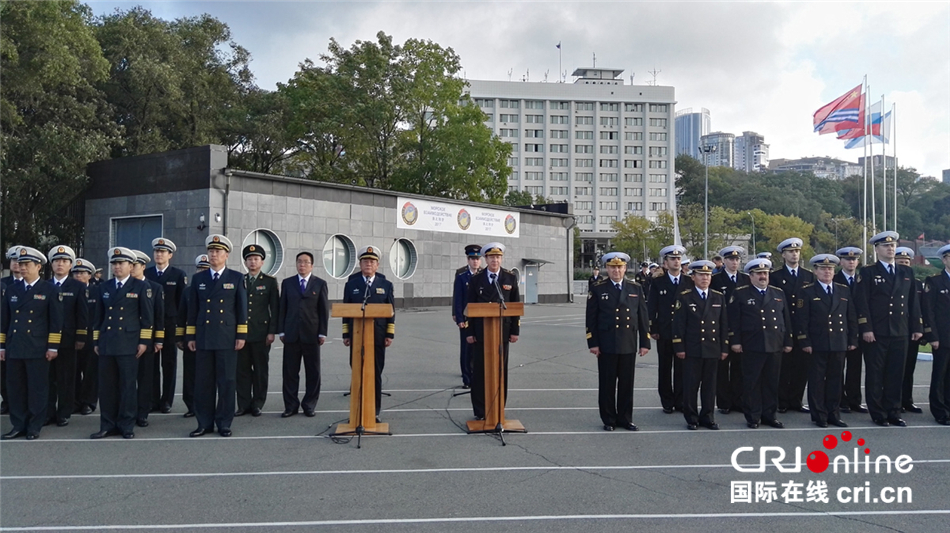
[(763, 67)]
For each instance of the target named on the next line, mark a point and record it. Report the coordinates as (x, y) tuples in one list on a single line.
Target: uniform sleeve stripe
[(242, 328), (3, 337), (95, 335), (81, 332), (191, 330), (145, 334), (180, 332), (160, 334)]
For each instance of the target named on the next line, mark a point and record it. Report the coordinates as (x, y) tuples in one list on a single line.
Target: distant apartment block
[(822, 167), (723, 149), (690, 128), (752, 154)]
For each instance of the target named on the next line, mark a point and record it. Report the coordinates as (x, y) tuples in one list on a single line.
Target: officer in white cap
[(174, 282), (31, 323), (490, 285), (617, 330), (888, 317), (764, 255), (851, 397), (701, 341), (905, 256), (87, 364), (729, 374), (215, 331), (146, 373), (11, 256), (124, 319), (794, 374), (936, 304), (62, 393), (760, 328), (372, 287), (826, 328), (660, 307)]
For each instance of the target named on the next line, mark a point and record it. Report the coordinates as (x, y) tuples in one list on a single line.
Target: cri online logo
[(818, 461)]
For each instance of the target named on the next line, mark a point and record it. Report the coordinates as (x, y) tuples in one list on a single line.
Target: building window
[(508, 132), (608, 176), (584, 176), (658, 163), (558, 176), (634, 206), (633, 135), (633, 108), (559, 162), (609, 121), (583, 148), (485, 102), (583, 121), (633, 121), (658, 178), (610, 107), (609, 135), (534, 161), (657, 151), (533, 147), (608, 149), (633, 150), (658, 122), (514, 175), (508, 118), (657, 206), (536, 190), (608, 163), (559, 134), (534, 119), (558, 148), (273, 249), (607, 219), (583, 205), (583, 191), (533, 133), (510, 104), (585, 219), (584, 106), (632, 191), (528, 176), (658, 136), (403, 258), (512, 161), (339, 256), (633, 163), (533, 104), (633, 178), (608, 191), (659, 108), (560, 191), (584, 135), (560, 105), (583, 162), (559, 119), (608, 205), (658, 192), (489, 117), (512, 188)]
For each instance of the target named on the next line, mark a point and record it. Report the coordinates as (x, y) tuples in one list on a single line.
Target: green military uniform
[(253, 359)]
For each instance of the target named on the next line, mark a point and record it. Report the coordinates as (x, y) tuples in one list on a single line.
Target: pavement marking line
[(460, 433), (450, 520), (599, 468)]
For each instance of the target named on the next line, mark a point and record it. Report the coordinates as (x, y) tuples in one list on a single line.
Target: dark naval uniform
[(729, 374), (910, 362), (146, 371), (793, 376), (937, 310), (887, 306), (62, 378), (124, 319), (459, 301), (827, 323), (174, 282), (380, 292), (617, 324), (481, 290), (31, 323), (661, 304), (217, 319), (253, 360), (701, 331), (87, 374), (762, 325), (853, 359)]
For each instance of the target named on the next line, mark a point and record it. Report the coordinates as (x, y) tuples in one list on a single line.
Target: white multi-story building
[(690, 128), (723, 149), (752, 154), (602, 145)]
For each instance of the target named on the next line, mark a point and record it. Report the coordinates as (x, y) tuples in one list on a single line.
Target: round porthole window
[(339, 256), (273, 249), (403, 258)]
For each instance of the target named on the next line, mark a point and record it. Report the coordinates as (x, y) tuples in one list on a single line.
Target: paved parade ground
[(565, 474)]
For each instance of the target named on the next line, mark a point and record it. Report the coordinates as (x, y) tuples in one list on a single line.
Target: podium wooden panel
[(492, 313), (363, 369)]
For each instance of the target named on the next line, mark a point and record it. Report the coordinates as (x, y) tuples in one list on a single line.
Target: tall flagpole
[(896, 168), (864, 172), (883, 157), (867, 128)]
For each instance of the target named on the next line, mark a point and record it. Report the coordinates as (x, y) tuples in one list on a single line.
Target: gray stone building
[(186, 195)]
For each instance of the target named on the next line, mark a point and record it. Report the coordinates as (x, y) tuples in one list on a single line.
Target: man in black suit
[(936, 306), (31, 323), (87, 363), (826, 327), (494, 284), (617, 325), (760, 328), (594, 278), (371, 287), (263, 310), (729, 374), (701, 341), (123, 330), (794, 374), (147, 361), (302, 326), (661, 304), (888, 316), (904, 256), (62, 376), (6, 281), (216, 331), (850, 257), (174, 282)]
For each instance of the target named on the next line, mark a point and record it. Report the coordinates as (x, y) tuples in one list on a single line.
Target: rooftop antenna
[(631, 78), (595, 59), (546, 72), (527, 74), (654, 73), (509, 73), (564, 77)]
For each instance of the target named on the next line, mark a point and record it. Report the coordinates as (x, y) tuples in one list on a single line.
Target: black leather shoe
[(881, 422), (128, 435), (839, 423), (844, 409), (32, 436), (466, 386), (804, 409), (240, 412), (944, 421), (255, 411), (608, 427), (691, 426), (668, 410), (198, 432), (377, 419), (142, 423), (166, 408), (103, 434), (712, 425), (725, 411), (479, 417), (752, 425), (13, 434), (911, 408), (859, 409), (821, 423), (226, 432), (774, 423), (631, 427), (310, 413), (288, 413), (189, 414), (897, 422), (783, 409), (86, 410), (62, 422)]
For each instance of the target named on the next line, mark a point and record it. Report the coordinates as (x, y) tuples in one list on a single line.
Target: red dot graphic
[(860, 442), (846, 436), (817, 461), (829, 442), (867, 450)]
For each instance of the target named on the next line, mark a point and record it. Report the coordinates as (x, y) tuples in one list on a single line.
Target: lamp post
[(706, 150), (753, 232)]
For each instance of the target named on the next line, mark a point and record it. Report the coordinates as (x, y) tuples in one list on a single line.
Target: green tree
[(633, 234), (777, 228), (515, 198), (52, 117), (257, 132)]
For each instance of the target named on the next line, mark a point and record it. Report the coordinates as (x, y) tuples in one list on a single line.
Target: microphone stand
[(501, 358)]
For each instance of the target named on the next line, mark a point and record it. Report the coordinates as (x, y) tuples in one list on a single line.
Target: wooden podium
[(362, 406), (492, 314)]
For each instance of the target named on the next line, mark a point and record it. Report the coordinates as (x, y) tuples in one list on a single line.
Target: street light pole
[(753, 232), (706, 150)]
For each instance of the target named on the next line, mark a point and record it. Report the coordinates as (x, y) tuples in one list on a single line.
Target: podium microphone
[(365, 297), (498, 290)]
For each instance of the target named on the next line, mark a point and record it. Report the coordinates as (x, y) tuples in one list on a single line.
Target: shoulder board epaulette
[(503, 269), (743, 288), (805, 270), (714, 291), (687, 291), (845, 285), (599, 282), (460, 270), (380, 276), (773, 287), (805, 286)]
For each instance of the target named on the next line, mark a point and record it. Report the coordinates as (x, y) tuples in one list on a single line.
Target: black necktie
[(58, 284), (160, 272), (491, 278), (733, 278), (676, 282), (890, 269), (215, 277), (118, 285), (794, 274), (28, 286), (850, 281), (617, 286), (702, 295)]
